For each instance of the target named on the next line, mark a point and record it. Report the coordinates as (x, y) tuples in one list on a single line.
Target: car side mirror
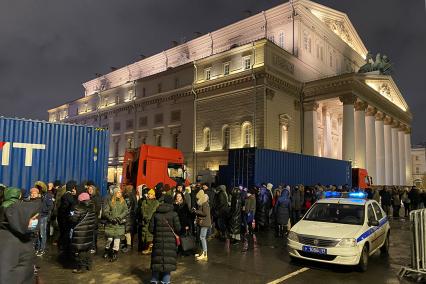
[(373, 223)]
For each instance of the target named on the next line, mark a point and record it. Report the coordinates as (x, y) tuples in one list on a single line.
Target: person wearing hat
[(115, 213), (164, 225), (148, 208), (83, 221)]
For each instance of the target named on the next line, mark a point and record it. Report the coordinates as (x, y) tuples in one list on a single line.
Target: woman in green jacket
[(115, 212)]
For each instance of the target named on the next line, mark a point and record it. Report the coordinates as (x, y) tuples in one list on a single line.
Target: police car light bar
[(335, 194)]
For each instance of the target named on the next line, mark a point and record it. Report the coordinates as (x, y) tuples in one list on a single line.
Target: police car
[(341, 229)]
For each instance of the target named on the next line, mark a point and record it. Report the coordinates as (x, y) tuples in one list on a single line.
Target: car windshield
[(336, 213), (176, 171)]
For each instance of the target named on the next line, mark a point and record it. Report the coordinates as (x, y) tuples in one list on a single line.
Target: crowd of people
[(154, 221)]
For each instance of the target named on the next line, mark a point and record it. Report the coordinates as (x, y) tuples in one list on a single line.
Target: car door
[(381, 232), (371, 216)]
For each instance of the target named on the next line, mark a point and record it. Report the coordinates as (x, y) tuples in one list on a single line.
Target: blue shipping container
[(37, 150), (252, 166)]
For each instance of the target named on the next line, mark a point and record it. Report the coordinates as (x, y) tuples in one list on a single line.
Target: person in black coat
[(17, 251), (67, 204), (183, 212), (386, 199), (83, 222), (235, 215), (221, 211), (414, 196), (130, 229), (164, 224)]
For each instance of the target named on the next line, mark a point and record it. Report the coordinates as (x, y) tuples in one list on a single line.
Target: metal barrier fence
[(418, 247)]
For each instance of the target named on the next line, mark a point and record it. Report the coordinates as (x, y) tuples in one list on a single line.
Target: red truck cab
[(360, 178), (151, 165)]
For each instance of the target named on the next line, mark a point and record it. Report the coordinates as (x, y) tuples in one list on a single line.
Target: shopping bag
[(188, 242)]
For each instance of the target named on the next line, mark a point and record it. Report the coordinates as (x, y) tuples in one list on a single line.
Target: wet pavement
[(264, 262)]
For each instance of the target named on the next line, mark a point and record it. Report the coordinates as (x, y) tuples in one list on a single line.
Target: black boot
[(107, 253), (114, 256)]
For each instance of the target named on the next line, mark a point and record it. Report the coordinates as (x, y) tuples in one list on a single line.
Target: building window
[(281, 40), (417, 170), (143, 121), (158, 139), (207, 139), (207, 73), (159, 87), (116, 146), (117, 126), (143, 92), (322, 53), (175, 140), (284, 137), (158, 119), (307, 42), (129, 124), (177, 83), (142, 138), (247, 131), (226, 137), (246, 62), (417, 158), (226, 68), (175, 116)]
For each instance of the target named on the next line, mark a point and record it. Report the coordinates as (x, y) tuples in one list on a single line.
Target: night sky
[(48, 48)]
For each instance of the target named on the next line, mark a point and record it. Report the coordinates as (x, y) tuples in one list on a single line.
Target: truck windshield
[(336, 213), (176, 171)]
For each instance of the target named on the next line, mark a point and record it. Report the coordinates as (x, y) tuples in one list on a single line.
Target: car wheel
[(293, 259), (363, 261), (385, 247)]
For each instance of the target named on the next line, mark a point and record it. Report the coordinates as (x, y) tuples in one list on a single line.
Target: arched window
[(207, 138), (247, 133), (226, 137)]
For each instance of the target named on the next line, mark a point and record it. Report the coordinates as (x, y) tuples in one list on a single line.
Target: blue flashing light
[(358, 195), (332, 194)]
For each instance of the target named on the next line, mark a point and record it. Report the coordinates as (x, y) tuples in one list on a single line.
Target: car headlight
[(292, 236), (347, 243)]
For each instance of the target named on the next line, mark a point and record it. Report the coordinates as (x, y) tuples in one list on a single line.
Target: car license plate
[(314, 250)]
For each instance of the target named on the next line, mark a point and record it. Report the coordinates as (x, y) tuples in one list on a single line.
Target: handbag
[(173, 231), (188, 242)]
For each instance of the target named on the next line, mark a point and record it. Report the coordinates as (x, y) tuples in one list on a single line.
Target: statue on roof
[(381, 65)]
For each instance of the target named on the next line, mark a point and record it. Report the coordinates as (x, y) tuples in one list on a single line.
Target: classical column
[(388, 150), (339, 131), (310, 130), (370, 133), (395, 153), (326, 122), (401, 142), (380, 150), (348, 131), (408, 162), (360, 149)]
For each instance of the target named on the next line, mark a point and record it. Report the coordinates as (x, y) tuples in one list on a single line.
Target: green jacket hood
[(11, 196)]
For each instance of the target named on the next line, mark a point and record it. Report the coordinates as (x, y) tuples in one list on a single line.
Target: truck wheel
[(363, 261), (385, 247)]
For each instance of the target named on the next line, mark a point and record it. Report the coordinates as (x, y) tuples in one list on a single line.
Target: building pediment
[(385, 86), (339, 23)]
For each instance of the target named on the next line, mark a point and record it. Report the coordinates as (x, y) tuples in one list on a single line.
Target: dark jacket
[(264, 203), (282, 208), (220, 204), (68, 202), (184, 216), (47, 204), (17, 251), (163, 257), (414, 196), (297, 199), (235, 213), (84, 223), (131, 203), (386, 197)]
